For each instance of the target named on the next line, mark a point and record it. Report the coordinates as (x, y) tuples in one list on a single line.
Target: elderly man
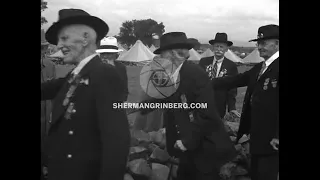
[(219, 66), (109, 53), (196, 136), (88, 139), (260, 114)]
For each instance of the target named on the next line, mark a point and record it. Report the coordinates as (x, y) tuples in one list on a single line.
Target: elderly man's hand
[(275, 144), (179, 145), (235, 112)]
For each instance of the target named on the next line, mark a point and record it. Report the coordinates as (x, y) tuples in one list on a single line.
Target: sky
[(200, 19)]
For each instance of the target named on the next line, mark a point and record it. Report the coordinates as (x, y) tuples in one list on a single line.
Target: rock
[(140, 167), (159, 172), (238, 171), (137, 149), (141, 136), (128, 177), (160, 155)]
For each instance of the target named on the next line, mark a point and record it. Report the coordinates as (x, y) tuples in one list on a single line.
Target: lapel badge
[(69, 111), (183, 98), (265, 87), (65, 101), (191, 117), (274, 83), (84, 81), (266, 82)]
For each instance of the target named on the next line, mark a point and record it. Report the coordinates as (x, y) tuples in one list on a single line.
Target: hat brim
[(97, 24), (174, 46), (265, 38), (229, 43), (108, 50)]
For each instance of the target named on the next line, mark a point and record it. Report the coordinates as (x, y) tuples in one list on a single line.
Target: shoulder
[(229, 62), (104, 72), (206, 60), (195, 72)]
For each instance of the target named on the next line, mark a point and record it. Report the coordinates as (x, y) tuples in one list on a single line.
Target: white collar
[(272, 58), (218, 61), (176, 73), (83, 63)]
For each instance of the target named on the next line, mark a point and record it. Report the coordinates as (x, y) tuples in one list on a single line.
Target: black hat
[(173, 40), (270, 31), (76, 16), (221, 38)]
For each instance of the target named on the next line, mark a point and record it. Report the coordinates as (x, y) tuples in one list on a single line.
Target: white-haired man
[(109, 53), (84, 140), (196, 136)]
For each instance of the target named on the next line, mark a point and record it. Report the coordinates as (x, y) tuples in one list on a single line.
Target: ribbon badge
[(265, 85), (274, 83)]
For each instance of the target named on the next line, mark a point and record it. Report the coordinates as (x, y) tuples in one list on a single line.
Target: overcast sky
[(200, 19)]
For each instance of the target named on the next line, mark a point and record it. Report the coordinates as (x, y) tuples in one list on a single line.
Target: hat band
[(108, 47)]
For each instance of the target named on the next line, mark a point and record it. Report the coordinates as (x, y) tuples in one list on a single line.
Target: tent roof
[(207, 53), (233, 57), (194, 55), (137, 53), (253, 57), (152, 48)]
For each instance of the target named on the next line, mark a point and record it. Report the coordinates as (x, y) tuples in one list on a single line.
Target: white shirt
[(82, 64), (270, 60), (176, 73), (219, 63)]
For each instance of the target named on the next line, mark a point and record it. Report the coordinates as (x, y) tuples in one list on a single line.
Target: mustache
[(221, 52)]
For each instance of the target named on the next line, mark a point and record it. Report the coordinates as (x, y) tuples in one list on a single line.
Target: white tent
[(230, 55), (137, 53), (253, 57), (194, 55), (207, 53), (152, 48)]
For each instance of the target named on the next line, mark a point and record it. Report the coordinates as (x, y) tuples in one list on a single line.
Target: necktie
[(214, 69), (262, 69)]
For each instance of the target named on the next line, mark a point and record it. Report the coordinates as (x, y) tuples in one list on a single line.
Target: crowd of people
[(85, 138)]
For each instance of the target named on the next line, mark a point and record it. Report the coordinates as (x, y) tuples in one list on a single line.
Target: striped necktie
[(214, 69), (262, 69)]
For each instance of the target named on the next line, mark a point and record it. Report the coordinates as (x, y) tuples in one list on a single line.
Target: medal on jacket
[(184, 101), (274, 83), (265, 85), (69, 111)]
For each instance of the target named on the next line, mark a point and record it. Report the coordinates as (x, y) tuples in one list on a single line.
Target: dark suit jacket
[(122, 70), (260, 114), (223, 98), (205, 138), (97, 135)]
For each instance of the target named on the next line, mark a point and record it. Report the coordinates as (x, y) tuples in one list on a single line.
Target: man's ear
[(85, 38)]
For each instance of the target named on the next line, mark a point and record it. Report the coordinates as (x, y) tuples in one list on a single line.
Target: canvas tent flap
[(194, 55), (207, 53), (233, 57), (137, 53), (253, 57)]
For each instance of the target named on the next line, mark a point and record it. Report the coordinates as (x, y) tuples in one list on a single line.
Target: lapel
[(274, 66), (59, 109)]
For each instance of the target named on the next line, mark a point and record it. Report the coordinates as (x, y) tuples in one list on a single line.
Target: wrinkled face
[(268, 47), (71, 43), (219, 49), (109, 56)]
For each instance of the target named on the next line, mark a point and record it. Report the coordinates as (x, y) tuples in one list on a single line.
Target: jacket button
[(178, 132), (73, 111), (69, 156), (70, 132)]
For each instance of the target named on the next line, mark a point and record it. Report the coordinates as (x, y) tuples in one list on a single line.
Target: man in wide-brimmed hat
[(260, 112), (219, 66), (196, 136), (88, 139), (109, 53)]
